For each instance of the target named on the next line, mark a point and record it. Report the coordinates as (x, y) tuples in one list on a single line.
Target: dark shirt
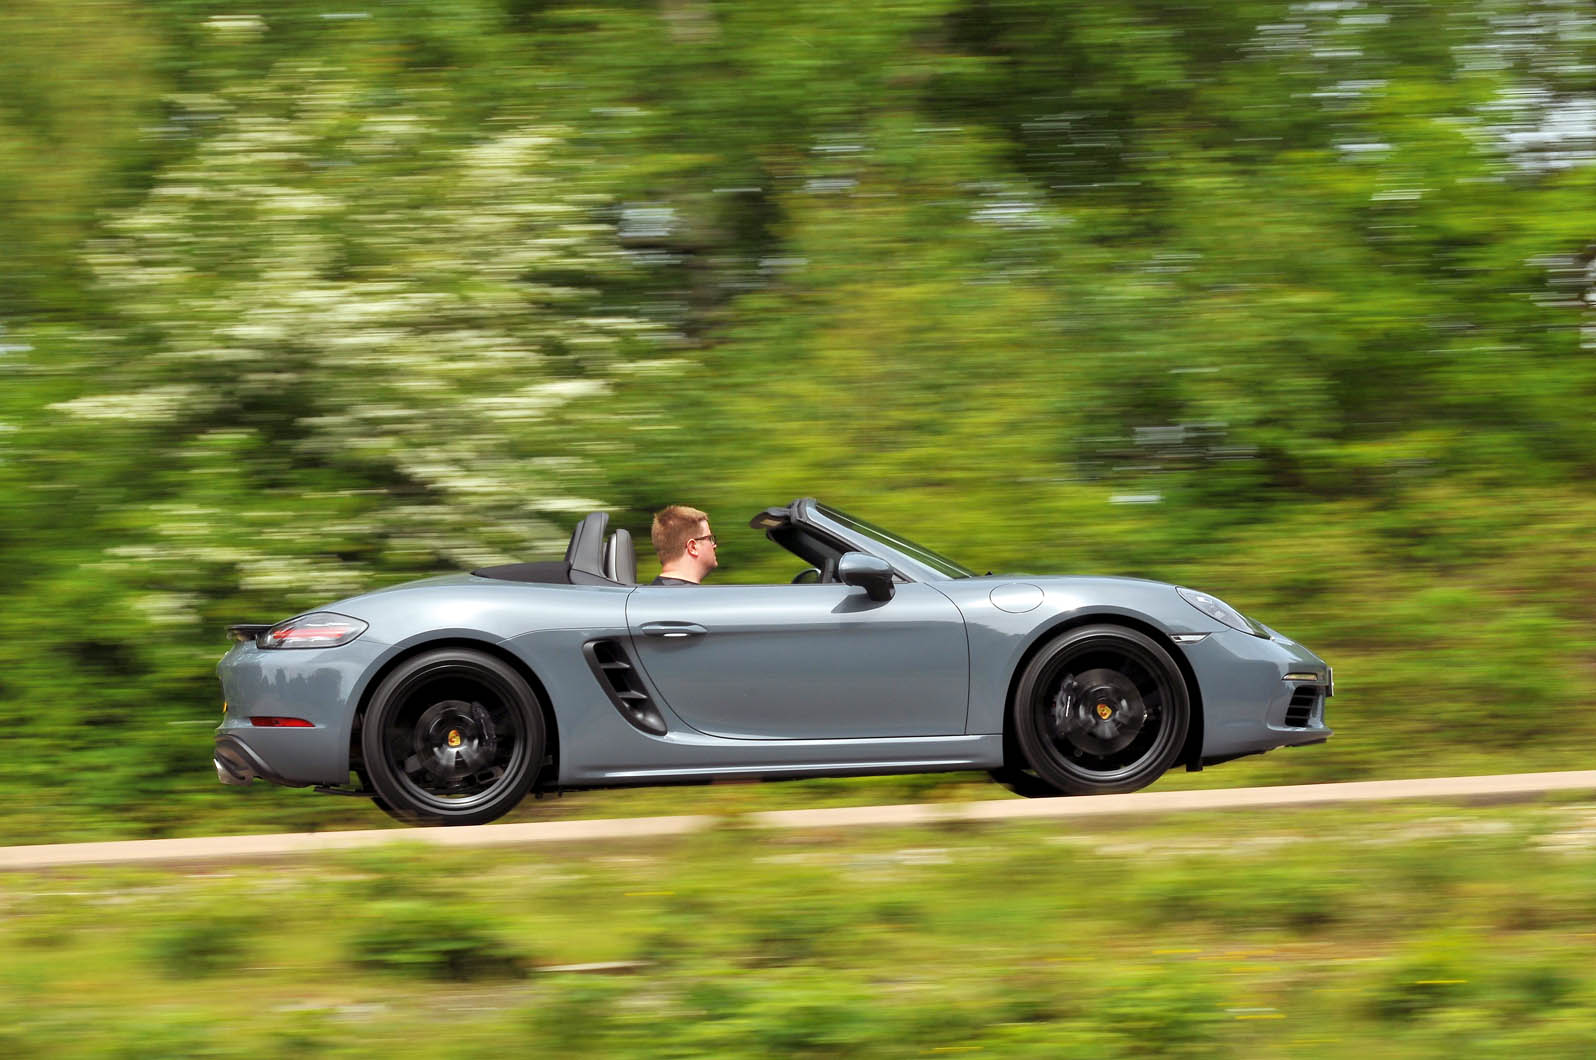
[(662, 580)]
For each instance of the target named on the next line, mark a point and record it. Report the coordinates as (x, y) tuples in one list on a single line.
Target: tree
[(351, 349), (365, 351)]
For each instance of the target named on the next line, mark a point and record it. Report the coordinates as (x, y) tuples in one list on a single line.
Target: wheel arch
[(1191, 751), (551, 730)]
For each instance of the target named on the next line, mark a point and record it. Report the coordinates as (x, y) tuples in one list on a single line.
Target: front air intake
[(1305, 703), (616, 671)]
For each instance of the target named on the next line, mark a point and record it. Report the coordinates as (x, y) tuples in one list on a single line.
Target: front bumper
[(1248, 703)]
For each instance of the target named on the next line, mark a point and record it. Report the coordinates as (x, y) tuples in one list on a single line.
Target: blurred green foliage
[(431, 940), (1288, 300), (1026, 940), (195, 944)]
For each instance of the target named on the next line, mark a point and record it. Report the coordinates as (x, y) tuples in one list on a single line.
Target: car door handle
[(672, 629)]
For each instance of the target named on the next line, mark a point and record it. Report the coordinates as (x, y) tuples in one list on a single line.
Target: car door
[(804, 662)]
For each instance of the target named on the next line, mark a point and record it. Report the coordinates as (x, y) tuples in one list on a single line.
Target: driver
[(685, 545)]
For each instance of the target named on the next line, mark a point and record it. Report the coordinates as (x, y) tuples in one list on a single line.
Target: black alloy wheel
[(1101, 709), (452, 736)]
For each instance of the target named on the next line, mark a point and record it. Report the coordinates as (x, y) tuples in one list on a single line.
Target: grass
[(1405, 931)]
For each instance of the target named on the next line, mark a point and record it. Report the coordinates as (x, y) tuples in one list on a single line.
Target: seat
[(584, 556), (620, 558)]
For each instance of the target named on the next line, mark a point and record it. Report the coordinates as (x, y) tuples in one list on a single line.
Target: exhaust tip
[(230, 773)]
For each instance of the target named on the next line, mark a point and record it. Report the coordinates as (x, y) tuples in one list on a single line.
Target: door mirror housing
[(871, 573)]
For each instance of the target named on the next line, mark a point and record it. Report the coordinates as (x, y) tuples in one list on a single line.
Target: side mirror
[(872, 573)]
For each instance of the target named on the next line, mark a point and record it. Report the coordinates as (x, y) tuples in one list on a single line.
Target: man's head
[(683, 540)]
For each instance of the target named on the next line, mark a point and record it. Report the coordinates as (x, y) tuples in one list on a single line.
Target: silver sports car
[(446, 700)]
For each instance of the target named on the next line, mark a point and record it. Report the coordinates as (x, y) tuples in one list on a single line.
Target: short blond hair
[(674, 526)]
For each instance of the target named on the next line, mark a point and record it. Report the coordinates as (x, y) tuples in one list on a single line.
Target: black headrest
[(620, 558), (585, 553)]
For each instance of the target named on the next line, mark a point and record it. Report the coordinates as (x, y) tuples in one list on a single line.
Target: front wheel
[(452, 736), (1101, 709)]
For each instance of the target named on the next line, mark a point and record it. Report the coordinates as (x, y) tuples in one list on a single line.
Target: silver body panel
[(805, 662)]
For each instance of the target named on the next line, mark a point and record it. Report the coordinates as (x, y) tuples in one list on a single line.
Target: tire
[(1024, 783), (1100, 710), (378, 801), (452, 736)]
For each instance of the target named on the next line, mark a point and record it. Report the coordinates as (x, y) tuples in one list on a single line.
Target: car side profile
[(446, 700)]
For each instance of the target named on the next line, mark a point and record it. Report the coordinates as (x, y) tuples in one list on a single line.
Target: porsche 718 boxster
[(447, 700)]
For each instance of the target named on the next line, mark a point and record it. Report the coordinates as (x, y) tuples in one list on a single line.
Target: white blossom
[(323, 300)]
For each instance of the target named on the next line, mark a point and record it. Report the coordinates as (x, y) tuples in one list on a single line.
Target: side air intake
[(617, 674)]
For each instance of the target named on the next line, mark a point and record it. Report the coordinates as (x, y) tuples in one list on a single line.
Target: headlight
[(1220, 611), (319, 629)]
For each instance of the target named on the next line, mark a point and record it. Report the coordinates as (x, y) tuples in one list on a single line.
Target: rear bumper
[(237, 764), (320, 686)]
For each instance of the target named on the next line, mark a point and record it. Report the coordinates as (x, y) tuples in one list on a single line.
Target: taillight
[(320, 629), (262, 721)]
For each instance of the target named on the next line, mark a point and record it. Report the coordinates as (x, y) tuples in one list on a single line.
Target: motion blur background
[(1288, 301)]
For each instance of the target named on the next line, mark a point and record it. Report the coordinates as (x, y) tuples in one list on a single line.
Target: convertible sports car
[(446, 700)]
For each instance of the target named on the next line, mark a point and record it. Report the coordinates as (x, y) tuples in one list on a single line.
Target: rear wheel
[(452, 736), (1101, 709), (1024, 783)]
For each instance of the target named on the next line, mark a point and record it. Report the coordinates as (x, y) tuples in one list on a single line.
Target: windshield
[(936, 562)]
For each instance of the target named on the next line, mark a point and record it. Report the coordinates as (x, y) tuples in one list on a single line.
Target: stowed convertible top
[(589, 560)]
